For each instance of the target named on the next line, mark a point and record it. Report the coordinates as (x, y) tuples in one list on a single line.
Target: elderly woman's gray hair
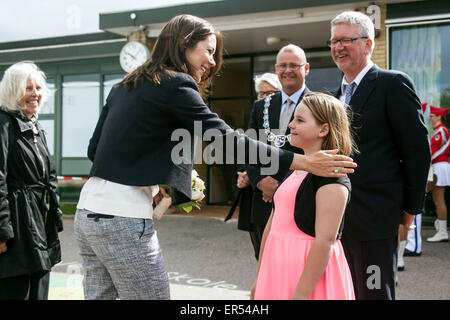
[(365, 25), (14, 83), (270, 78)]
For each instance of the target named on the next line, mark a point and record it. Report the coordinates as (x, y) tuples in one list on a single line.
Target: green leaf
[(187, 209)]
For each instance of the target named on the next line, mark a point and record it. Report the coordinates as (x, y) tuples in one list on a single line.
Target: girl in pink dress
[(301, 254)]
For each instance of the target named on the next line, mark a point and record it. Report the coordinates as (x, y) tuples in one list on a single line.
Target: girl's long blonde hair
[(328, 109)]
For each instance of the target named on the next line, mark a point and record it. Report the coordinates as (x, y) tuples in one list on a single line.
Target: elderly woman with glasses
[(30, 216), (266, 84)]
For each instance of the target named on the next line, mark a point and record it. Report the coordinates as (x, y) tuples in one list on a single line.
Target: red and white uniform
[(440, 151), (440, 146)]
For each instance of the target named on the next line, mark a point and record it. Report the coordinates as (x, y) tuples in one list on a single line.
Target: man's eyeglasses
[(292, 66), (344, 42)]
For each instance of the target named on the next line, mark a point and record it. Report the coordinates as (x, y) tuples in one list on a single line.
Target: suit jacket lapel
[(337, 93), (274, 111), (363, 91)]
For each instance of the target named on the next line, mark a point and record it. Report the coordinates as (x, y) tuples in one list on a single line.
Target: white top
[(106, 197), (357, 80)]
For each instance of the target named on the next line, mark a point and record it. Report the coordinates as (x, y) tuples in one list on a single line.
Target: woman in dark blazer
[(135, 147)]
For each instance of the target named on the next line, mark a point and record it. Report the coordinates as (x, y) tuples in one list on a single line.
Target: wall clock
[(133, 55)]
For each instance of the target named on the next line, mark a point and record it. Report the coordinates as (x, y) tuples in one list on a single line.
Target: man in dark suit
[(388, 186), (291, 68)]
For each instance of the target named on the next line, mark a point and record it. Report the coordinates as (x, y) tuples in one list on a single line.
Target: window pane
[(49, 106), (108, 82), (235, 79), (423, 53), (80, 111), (49, 128), (264, 64), (232, 101), (235, 112), (221, 184)]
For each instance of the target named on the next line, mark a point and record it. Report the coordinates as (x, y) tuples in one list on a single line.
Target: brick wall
[(379, 53), (140, 36)]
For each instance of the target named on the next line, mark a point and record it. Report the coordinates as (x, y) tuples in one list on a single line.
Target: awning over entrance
[(247, 26)]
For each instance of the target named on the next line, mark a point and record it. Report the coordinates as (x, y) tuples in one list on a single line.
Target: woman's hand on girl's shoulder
[(326, 163)]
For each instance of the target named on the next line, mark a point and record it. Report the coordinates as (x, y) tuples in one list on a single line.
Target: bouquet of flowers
[(198, 188)]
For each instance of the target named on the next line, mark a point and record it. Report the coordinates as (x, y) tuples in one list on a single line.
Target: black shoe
[(411, 253), (401, 268)]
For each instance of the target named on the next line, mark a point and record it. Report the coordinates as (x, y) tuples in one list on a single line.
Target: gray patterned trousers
[(122, 258)]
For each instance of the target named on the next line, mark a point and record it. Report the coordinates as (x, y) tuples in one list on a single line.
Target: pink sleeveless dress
[(286, 251)]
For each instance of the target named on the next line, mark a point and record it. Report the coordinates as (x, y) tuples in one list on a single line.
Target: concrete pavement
[(208, 259)]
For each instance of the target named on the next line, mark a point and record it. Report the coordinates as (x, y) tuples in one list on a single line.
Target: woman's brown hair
[(180, 33), (328, 109)]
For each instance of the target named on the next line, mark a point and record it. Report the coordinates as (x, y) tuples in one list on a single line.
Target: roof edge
[(73, 39), (206, 10)]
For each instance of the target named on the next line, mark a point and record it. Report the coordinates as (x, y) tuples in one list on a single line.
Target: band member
[(440, 150)]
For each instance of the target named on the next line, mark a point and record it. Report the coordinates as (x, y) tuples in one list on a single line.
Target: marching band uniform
[(440, 150), (440, 147), (413, 245)]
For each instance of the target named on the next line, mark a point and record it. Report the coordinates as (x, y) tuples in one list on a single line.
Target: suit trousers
[(26, 287), (373, 265), (122, 258)]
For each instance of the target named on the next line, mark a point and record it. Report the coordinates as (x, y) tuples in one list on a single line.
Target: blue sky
[(35, 19)]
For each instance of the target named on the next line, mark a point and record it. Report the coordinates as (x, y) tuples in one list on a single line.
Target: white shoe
[(400, 264), (439, 237), (442, 234)]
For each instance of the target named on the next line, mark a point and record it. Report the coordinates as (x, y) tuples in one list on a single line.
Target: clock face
[(132, 55)]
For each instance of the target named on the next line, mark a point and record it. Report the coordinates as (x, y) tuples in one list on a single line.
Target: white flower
[(199, 184), (194, 174), (197, 195)]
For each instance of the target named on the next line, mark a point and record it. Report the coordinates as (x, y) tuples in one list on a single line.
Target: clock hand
[(130, 55)]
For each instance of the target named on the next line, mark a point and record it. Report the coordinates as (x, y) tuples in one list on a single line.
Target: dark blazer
[(261, 210), (394, 155), (132, 143)]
